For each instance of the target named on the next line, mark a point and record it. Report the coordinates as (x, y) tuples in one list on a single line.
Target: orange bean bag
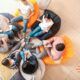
[(34, 17), (68, 53)]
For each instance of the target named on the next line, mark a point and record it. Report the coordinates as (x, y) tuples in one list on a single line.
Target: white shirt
[(25, 9), (45, 25)]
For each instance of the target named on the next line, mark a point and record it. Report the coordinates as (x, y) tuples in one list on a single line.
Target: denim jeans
[(36, 32), (22, 55), (20, 18)]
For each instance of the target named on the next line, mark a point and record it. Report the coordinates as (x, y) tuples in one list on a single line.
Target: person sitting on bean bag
[(7, 37), (55, 50), (33, 17), (43, 27), (17, 53), (26, 10), (54, 28), (31, 69)]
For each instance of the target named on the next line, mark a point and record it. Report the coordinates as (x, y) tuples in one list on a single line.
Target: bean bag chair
[(68, 53), (55, 27), (34, 17)]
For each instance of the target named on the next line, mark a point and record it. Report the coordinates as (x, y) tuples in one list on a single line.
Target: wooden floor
[(69, 11)]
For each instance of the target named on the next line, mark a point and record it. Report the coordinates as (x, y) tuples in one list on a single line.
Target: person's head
[(60, 47), (5, 62), (30, 65), (49, 14), (25, 1), (8, 62)]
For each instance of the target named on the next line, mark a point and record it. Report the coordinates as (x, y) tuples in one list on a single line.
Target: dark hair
[(5, 62), (30, 66), (49, 14), (60, 47), (12, 56)]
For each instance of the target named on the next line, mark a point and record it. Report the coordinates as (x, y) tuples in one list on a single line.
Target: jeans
[(36, 32), (20, 18), (22, 55), (10, 34)]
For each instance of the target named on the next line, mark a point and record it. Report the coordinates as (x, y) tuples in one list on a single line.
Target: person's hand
[(17, 51), (20, 12), (45, 42), (39, 20), (22, 41), (24, 35)]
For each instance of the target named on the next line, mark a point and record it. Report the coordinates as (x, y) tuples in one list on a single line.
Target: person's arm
[(43, 18), (31, 13), (19, 11), (48, 52), (39, 20), (45, 42), (15, 47), (42, 54), (40, 43), (22, 44)]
